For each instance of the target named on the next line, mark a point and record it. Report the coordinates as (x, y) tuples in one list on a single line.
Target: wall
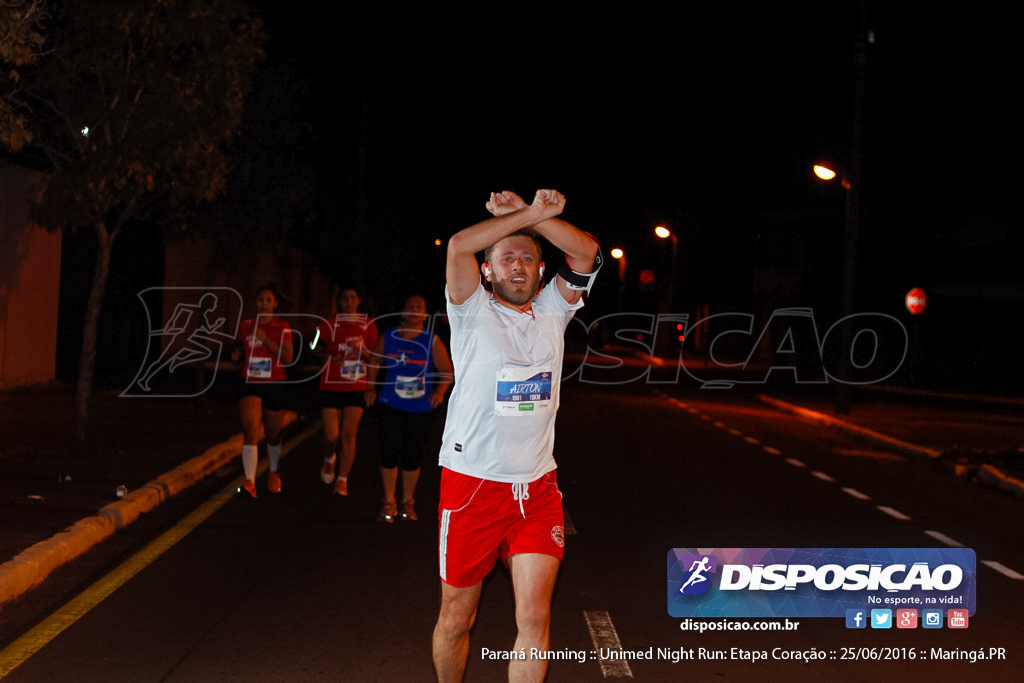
[(29, 284)]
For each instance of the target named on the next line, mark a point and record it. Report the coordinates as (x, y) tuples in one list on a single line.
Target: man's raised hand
[(550, 202), (504, 202)]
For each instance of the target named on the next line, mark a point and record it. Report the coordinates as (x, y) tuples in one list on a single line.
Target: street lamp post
[(851, 182), (666, 296), (851, 220), (619, 255)]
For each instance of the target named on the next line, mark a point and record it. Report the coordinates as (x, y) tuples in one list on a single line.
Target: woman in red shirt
[(267, 342), (346, 341)]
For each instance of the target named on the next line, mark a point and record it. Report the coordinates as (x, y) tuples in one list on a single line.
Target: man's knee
[(453, 623), (533, 616)]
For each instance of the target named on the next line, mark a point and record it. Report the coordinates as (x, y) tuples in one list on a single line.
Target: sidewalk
[(57, 502), (57, 499)]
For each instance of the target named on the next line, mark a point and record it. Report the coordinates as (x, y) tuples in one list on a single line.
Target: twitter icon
[(881, 618)]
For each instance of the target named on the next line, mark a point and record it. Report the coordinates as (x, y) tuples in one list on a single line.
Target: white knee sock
[(250, 457), (274, 455)]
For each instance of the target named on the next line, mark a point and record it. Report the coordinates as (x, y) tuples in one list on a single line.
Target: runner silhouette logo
[(695, 581)]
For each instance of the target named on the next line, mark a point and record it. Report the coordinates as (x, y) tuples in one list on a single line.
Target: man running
[(499, 495)]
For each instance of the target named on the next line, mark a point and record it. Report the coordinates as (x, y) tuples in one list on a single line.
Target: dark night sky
[(708, 122)]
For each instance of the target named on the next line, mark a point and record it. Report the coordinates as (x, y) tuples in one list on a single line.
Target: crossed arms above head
[(509, 214)]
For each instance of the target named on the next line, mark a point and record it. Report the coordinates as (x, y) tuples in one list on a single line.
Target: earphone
[(487, 270)]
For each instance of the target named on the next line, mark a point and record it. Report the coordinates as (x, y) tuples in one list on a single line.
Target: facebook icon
[(856, 618)]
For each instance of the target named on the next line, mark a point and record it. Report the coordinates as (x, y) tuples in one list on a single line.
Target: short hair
[(525, 232)]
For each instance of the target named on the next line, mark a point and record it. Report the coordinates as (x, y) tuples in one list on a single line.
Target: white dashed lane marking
[(604, 636), (855, 493), (895, 514), (943, 538), (892, 512)]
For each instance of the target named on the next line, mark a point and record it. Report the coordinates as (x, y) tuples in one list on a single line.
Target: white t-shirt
[(508, 370)]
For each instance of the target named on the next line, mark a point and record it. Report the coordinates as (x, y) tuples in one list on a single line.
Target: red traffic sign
[(916, 300)]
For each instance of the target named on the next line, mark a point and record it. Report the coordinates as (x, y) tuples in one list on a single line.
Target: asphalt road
[(307, 586)]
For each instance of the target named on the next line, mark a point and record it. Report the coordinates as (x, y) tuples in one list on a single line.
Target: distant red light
[(916, 301)]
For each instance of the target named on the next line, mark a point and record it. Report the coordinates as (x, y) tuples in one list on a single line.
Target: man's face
[(515, 269)]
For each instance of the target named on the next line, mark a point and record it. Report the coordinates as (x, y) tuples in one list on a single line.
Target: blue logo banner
[(817, 582)]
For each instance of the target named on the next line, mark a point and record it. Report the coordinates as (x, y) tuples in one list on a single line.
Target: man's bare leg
[(533, 579), (451, 634)]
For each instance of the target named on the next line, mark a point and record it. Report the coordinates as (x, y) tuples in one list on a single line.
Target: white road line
[(720, 425), (943, 538), (735, 432), (706, 417), (795, 463), (822, 476), (856, 494), (895, 514), (1003, 569), (570, 528), (773, 451), (694, 411), (750, 439), (603, 635)]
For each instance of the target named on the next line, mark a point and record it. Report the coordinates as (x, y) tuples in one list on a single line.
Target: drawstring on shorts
[(521, 492)]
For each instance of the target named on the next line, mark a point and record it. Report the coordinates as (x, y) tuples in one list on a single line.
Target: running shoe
[(327, 471), (388, 511), (408, 513), (249, 487), (341, 486), (274, 482)]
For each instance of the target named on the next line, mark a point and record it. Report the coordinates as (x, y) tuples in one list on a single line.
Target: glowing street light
[(619, 255), (666, 300), (824, 172)]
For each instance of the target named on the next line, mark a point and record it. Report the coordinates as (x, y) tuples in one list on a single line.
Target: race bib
[(522, 392), (353, 370), (410, 387), (259, 368)]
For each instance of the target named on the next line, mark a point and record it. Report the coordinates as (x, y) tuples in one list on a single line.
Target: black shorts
[(403, 437), (339, 400), (274, 395)]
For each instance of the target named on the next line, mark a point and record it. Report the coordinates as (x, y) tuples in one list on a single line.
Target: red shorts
[(481, 520)]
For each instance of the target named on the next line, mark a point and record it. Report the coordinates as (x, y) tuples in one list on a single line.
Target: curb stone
[(31, 567)]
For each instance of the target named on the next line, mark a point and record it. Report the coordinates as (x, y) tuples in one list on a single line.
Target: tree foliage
[(135, 105), (133, 109), (21, 41)]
